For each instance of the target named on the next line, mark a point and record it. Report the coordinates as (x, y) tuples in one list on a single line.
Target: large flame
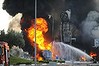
[(41, 28)]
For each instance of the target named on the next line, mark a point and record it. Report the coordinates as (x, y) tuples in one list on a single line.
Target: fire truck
[(4, 54)]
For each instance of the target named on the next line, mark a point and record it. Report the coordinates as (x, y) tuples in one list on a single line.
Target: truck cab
[(4, 54)]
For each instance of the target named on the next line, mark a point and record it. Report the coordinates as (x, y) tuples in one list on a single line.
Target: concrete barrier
[(52, 64), (22, 65), (32, 64), (94, 64)]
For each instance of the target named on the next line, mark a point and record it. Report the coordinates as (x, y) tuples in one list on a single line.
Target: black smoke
[(79, 8), (79, 11)]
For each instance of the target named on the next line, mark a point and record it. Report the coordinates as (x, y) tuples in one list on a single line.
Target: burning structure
[(47, 11)]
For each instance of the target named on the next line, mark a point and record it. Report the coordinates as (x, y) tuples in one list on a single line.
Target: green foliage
[(44, 61), (47, 61), (60, 61), (2, 36), (13, 38), (16, 60)]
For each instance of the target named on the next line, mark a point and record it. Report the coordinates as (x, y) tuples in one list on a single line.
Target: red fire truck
[(4, 54)]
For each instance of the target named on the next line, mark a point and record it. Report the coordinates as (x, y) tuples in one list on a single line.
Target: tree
[(13, 38), (2, 35)]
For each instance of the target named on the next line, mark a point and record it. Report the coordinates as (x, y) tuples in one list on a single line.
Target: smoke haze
[(90, 25), (15, 23)]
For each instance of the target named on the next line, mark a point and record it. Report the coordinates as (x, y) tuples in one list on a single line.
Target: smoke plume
[(90, 28), (15, 23), (91, 24)]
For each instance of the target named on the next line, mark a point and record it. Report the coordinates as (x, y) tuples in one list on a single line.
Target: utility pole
[(35, 29)]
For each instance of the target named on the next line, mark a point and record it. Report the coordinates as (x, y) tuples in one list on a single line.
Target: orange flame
[(92, 54), (41, 28), (83, 58), (38, 57)]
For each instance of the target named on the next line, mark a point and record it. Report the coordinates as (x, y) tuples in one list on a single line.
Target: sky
[(4, 18)]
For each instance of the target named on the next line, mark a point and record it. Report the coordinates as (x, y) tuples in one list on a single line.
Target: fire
[(83, 58), (41, 28), (38, 57), (92, 54)]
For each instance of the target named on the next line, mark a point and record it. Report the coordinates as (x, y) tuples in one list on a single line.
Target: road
[(59, 64)]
